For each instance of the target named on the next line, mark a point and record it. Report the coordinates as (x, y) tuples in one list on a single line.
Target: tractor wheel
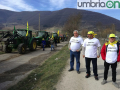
[(58, 40), (22, 48), (6, 49), (48, 43), (33, 45), (62, 40)]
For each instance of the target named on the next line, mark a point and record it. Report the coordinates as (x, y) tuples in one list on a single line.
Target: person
[(49, 42), (75, 48), (110, 53), (55, 40), (43, 44), (90, 46), (52, 44)]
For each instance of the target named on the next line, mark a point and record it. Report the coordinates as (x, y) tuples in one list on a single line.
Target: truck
[(55, 35)]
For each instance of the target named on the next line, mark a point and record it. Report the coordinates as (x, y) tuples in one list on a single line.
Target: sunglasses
[(89, 34), (112, 37)]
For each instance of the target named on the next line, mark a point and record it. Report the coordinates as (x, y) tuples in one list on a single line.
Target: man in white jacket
[(74, 46)]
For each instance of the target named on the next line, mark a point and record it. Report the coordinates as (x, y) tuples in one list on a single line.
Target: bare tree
[(84, 32), (104, 32), (99, 28), (72, 24)]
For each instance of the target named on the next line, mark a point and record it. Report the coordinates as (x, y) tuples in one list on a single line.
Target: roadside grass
[(47, 75)]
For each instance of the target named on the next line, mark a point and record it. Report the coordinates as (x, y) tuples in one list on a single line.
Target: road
[(14, 69), (74, 81)]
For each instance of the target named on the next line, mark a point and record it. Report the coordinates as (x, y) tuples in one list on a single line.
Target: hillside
[(55, 18)]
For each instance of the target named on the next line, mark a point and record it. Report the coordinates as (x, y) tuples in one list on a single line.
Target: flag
[(52, 36), (14, 30), (27, 29), (58, 32)]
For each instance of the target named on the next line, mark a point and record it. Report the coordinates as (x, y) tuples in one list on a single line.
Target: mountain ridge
[(55, 18)]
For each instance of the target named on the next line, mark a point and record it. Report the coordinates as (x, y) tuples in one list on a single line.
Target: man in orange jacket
[(111, 55)]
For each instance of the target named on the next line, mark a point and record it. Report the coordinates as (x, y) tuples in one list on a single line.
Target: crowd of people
[(52, 43), (91, 50)]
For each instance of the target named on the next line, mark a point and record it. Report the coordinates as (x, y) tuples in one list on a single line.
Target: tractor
[(40, 35), (18, 40), (55, 35), (4, 34), (65, 37), (61, 38)]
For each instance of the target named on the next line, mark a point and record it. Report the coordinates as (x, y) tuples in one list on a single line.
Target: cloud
[(18, 5), (5, 7), (57, 3), (60, 4)]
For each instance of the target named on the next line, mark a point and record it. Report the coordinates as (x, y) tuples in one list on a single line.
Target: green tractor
[(40, 35), (4, 34), (55, 36), (19, 40), (65, 37)]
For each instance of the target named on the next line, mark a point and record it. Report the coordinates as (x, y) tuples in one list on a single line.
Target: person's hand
[(77, 50), (83, 56), (69, 48), (98, 56)]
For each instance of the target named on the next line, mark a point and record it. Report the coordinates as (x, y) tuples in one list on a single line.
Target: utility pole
[(39, 21)]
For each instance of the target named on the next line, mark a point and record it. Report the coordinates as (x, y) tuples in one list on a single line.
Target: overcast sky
[(49, 5)]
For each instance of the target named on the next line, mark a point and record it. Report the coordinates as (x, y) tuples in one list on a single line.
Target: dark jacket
[(43, 42)]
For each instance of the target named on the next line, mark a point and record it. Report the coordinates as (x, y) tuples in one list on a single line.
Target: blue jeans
[(94, 62), (77, 56), (52, 47), (43, 47)]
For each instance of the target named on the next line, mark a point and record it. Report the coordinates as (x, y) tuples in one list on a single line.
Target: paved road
[(15, 62), (74, 81), (20, 60)]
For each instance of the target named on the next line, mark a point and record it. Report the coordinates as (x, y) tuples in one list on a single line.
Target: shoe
[(87, 76), (78, 72), (104, 82), (96, 78), (115, 84), (70, 69)]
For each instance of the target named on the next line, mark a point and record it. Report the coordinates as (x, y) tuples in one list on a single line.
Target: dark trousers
[(72, 55), (106, 68), (94, 62)]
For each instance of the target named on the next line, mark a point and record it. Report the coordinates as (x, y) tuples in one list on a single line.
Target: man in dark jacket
[(43, 44)]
